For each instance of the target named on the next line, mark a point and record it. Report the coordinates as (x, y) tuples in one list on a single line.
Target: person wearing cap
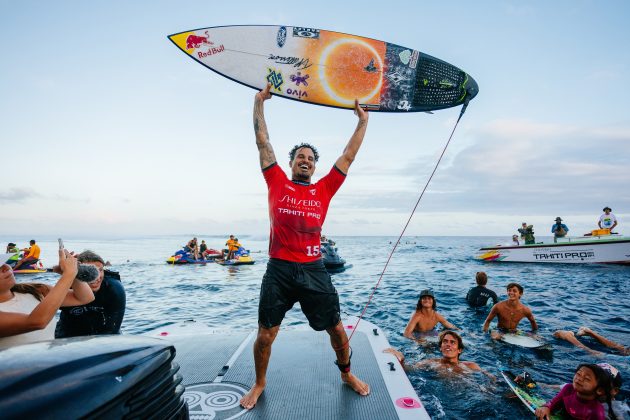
[(102, 316), (559, 229), (425, 318), (510, 312), (607, 220), (584, 332), (527, 233)]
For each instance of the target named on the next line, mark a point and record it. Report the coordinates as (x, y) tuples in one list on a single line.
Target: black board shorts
[(286, 282)]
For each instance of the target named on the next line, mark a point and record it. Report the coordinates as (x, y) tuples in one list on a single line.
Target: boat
[(217, 366), (188, 370), (597, 247), (241, 257), (12, 258), (182, 257), (332, 261)]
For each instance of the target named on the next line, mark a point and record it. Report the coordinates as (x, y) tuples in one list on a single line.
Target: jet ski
[(332, 261), (33, 268), (241, 257), (182, 257)]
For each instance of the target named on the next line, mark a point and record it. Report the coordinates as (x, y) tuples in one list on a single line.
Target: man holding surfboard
[(295, 271)]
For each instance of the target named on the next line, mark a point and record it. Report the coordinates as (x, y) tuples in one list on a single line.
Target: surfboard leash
[(461, 114)]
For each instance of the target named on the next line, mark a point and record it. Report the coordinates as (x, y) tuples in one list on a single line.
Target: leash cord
[(406, 225)]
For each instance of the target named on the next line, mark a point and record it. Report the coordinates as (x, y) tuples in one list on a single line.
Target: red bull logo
[(211, 51), (195, 41)]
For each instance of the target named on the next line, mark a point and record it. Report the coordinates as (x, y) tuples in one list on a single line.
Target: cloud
[(512, 165), (18, 195)]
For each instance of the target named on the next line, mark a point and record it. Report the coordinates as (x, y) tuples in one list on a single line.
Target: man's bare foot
[(596, 353), (563, 334), (583, 331), (249, 401), (355, 383)]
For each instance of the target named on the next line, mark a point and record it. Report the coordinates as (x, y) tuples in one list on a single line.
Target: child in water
[(580, 399)]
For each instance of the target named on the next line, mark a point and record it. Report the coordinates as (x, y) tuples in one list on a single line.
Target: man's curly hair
[(300, 146)]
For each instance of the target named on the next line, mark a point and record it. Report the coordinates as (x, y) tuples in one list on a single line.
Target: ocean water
[(561, 297)]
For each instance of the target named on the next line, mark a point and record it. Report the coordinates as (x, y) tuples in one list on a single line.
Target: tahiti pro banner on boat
[(329, 68)]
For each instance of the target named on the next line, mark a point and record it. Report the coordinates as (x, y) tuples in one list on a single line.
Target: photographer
[(102, 316), (527, 233), (27, 309), (559, 229)]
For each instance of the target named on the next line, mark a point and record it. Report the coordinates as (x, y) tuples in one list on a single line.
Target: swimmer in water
[(585, 331), (451, 347), (510, 312), (425, 318)]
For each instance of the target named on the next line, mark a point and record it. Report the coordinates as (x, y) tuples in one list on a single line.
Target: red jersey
[(297, 213)]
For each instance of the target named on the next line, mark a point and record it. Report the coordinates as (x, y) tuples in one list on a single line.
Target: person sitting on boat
[(12, 249), (27, 309), (515, 240), (510, 312), (585, 331), (229, 247), (425, 318), (31, 257), (559, 229), (102, 316), (235, 245), (527, 233), (607, 220), (202, 249), (451, 347), (478, 296), (193, 248)]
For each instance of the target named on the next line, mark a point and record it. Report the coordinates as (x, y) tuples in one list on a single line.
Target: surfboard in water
[(528, 395), (523, 339), (329, 68)]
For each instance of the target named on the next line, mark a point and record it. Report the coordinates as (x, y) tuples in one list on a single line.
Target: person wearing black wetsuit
[(478, 296), (105, 314)]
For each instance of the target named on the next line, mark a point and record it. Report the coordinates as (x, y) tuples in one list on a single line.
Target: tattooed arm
[(267, 157), (352, 148)]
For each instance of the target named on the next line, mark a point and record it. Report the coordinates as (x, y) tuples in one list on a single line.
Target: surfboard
[(329, 68), (528, 395), (523, 339)]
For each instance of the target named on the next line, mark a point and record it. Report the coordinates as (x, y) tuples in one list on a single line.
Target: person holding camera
[(105, 314), (27, 309), (527, 233), (559, 229)]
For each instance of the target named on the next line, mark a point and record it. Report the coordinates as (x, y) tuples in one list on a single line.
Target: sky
[(108, 130)]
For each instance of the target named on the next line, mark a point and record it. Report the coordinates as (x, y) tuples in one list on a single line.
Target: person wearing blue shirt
[(559, 229)]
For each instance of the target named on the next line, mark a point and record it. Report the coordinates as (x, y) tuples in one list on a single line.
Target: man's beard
[(298, 176)]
